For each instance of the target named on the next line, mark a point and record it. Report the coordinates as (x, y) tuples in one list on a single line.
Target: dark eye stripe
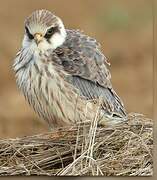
[(51, 31), (29, 34)]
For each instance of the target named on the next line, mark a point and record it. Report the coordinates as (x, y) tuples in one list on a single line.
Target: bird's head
[(43, 31)]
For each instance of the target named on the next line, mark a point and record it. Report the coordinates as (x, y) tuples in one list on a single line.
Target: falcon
[(63, 74)]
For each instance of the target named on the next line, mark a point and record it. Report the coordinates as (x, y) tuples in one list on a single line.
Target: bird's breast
[(50, 95), (47, 93)]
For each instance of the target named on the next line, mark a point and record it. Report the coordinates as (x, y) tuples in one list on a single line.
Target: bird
[(63, 74)]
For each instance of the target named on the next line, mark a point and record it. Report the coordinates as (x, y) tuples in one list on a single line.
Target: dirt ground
[(124, 28)]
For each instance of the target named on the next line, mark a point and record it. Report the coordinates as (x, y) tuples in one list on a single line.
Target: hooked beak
[(38, 38)]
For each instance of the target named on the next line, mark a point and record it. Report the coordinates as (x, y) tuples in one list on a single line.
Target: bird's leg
[(50, 128)]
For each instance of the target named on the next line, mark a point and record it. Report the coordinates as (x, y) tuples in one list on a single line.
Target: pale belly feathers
[(52, 97)]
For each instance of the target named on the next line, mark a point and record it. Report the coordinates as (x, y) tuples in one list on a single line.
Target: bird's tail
[(113, 111)]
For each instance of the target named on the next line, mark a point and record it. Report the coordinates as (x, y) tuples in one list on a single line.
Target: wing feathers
[(82, 59), (93, 91)]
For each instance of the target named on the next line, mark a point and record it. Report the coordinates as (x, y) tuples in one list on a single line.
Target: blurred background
[(124, 29)]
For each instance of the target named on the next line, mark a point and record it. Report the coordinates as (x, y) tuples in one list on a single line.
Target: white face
[(39, 37)]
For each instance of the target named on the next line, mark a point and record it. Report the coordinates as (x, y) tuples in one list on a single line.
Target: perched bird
[(63, 74)]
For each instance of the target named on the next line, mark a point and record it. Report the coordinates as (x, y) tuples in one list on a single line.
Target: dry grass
[(124, 150)]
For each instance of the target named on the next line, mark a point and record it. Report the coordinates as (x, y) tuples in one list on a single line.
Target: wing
[(80, 55), (81, 58)]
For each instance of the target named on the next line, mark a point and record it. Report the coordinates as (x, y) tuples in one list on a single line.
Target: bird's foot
[(112, 121)]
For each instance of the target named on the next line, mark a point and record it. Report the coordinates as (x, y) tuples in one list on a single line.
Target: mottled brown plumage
[(63, 74)]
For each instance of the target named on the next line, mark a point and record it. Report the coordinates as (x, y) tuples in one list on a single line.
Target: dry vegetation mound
[(124, 150)]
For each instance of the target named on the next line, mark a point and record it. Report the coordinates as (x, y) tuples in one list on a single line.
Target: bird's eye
[(50, 32), (29, 34)]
